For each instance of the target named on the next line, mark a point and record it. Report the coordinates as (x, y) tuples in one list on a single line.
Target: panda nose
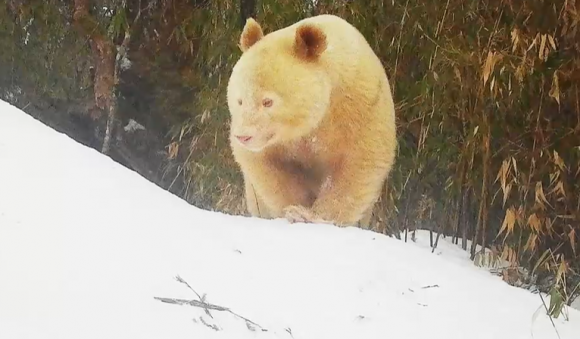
[(244, 138)]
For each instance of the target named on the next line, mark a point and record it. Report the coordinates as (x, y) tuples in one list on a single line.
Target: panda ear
[(310, 42), (251, 34)]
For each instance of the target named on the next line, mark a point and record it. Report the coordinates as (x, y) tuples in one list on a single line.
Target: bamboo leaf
[(488, 67), (509, 222), (544, 51), (555, 89), (572, 238), (535, 223)]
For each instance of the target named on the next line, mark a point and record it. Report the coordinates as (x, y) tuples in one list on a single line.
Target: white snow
[(576, 303), (86, 245)]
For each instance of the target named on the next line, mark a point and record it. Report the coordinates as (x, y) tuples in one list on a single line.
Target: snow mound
[(87, 247)]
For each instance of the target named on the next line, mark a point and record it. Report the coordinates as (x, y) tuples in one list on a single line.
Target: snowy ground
[(86, 245)]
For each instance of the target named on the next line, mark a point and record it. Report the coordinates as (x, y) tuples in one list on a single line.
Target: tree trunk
[(465, 202), (104, 54), (481, 227), (247, 10)]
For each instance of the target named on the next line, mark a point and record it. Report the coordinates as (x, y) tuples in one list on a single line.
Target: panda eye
[(267, 102), (240, 102)]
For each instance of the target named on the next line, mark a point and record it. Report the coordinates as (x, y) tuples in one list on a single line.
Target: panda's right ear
[(251, 34), (310, 41)]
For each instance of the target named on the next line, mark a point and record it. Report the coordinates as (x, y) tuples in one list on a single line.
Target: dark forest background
[(487, 97)]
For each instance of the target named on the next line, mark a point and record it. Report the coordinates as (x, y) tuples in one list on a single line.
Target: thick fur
[(312, 122)]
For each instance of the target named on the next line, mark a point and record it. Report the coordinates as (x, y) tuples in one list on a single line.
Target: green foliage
[(118, 23), (42, 56)]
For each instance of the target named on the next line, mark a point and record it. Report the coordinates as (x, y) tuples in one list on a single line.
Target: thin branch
[(119, 57), (178, 278), (549, 316), (201, 303)]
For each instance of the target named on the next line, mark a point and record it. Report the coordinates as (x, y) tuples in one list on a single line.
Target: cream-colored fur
[(312, 122)]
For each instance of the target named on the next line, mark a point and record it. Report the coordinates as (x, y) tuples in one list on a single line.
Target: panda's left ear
[(310, 41), (251, 34)]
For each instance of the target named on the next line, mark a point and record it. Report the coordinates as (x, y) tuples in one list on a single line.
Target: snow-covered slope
[(86, 245)]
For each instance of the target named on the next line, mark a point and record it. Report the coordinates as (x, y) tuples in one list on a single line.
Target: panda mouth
[(244, 139), (255, 142)]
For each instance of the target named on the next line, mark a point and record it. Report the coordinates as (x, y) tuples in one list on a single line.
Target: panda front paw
[(297, 213)]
